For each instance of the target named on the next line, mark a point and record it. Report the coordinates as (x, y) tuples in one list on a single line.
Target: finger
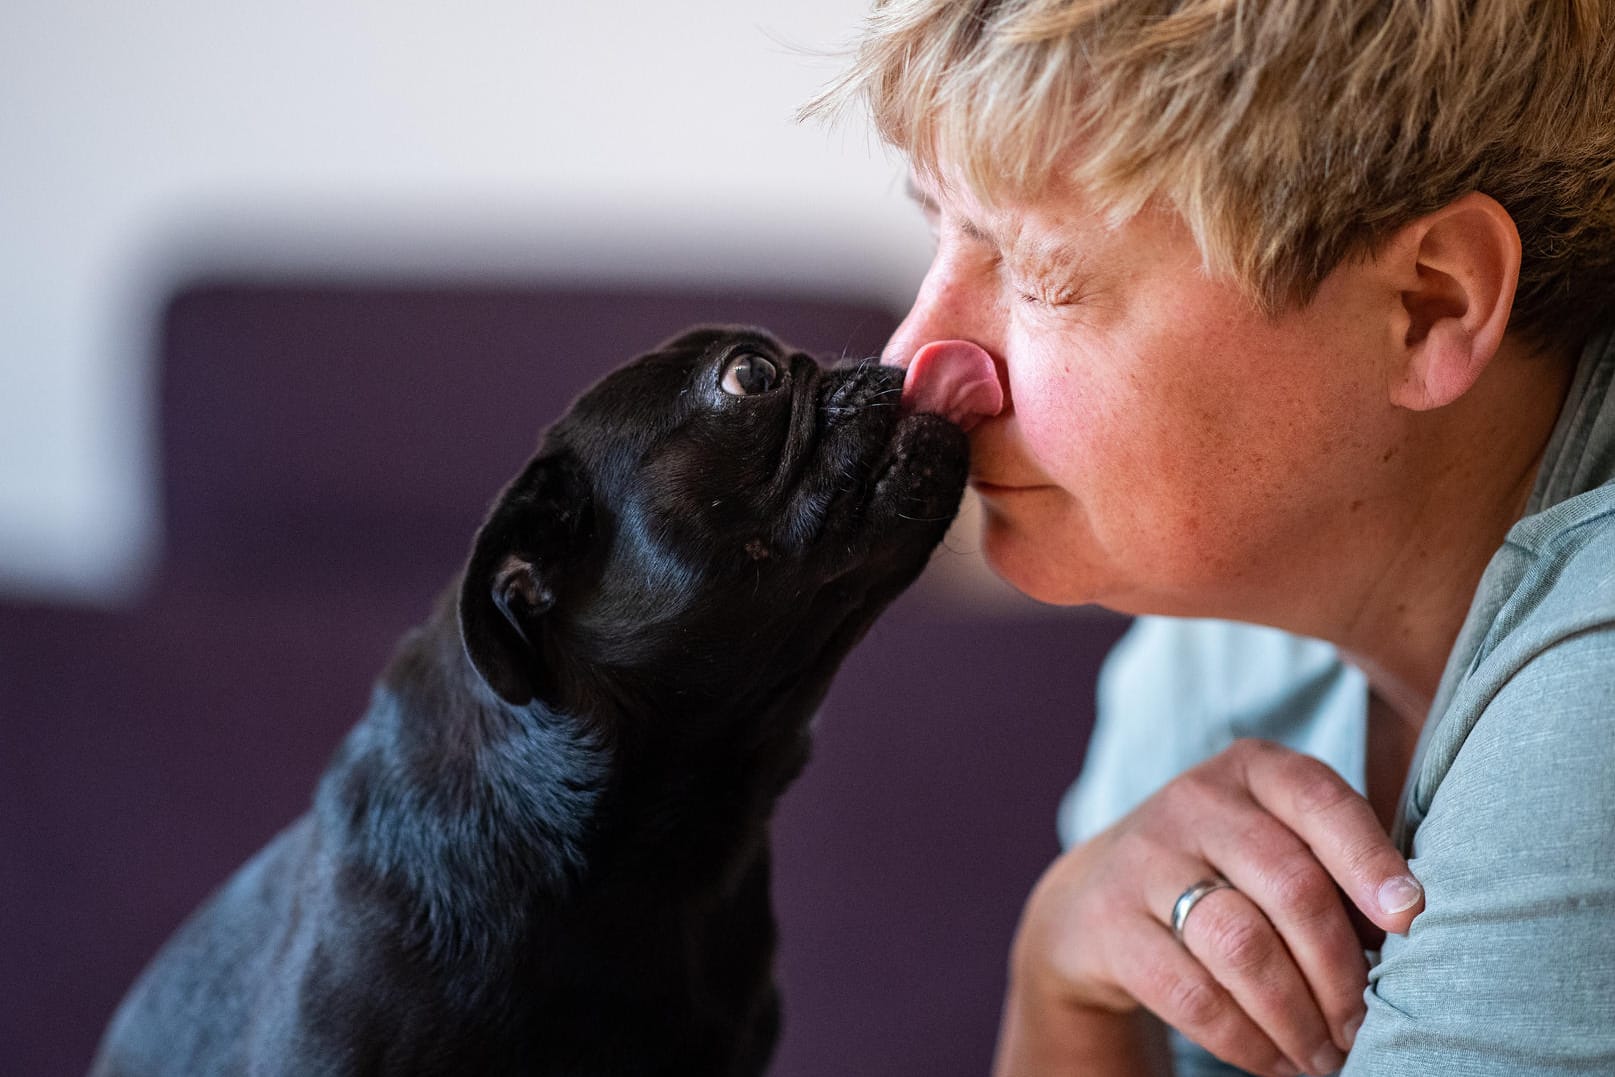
[(1167, 980), (1304, 908), (1237, 944), (1340, 828), (1369, 934)]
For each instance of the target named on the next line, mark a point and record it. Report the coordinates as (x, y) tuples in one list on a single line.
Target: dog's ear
[(529, 541)]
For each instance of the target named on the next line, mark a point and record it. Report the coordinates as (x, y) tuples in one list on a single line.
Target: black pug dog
[(544, 849)]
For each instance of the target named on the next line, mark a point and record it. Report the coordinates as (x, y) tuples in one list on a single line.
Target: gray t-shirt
[(1509, 812)]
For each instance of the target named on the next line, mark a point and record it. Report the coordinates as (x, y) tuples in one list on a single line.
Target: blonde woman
[(1294, 314)]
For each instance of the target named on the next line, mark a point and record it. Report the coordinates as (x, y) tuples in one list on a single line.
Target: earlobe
[(1456, 270)]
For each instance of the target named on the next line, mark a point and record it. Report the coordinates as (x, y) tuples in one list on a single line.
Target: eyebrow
[(1057, 260), (1044, 259), (928, 204)]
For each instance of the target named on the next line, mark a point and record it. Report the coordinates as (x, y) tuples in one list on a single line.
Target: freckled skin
[(1164, 446)]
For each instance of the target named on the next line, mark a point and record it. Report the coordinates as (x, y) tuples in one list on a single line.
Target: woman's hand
[(1269, 975)]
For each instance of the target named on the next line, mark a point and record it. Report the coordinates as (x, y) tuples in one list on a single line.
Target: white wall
[(142, 143)]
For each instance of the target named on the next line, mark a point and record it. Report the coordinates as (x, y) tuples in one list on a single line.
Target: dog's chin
[(923, 474)]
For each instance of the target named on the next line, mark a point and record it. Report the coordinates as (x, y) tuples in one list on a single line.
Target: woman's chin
[(1029, 564)]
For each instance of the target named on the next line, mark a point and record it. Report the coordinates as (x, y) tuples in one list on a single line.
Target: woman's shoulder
[(1511, 967), (1537, 662)]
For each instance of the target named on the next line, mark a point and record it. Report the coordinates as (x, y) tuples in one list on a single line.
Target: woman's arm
[(1039, 1037), (1268, 975)]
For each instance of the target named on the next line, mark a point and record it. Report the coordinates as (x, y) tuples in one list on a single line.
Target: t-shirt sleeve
[(1510, 969), (1174, 692)]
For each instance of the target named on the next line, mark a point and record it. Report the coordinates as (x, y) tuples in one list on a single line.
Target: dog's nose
[(954, 379)]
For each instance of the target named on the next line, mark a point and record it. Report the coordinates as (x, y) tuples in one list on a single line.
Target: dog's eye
[(748, 374)]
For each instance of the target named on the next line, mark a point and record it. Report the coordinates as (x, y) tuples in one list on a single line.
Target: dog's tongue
[(954, 379)]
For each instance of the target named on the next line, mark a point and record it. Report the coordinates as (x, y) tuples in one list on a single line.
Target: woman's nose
[(942, 345), (945, 308)]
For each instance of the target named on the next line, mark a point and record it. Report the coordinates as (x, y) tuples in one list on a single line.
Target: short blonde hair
[(1290, 134)]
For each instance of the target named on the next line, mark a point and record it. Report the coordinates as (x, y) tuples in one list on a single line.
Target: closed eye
[(1048, 295)]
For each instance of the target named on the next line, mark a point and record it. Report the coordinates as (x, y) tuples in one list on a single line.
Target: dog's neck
[(488, 817)]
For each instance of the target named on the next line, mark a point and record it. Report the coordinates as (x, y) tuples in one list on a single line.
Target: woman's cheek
[(1062, 413)]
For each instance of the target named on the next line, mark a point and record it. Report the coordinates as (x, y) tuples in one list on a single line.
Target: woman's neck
[(1472, 467)]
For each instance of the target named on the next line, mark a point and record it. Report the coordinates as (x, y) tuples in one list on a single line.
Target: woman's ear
[(1455, 270), (530, 542)]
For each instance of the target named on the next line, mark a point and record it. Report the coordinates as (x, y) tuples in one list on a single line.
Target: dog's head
[(715, 523)]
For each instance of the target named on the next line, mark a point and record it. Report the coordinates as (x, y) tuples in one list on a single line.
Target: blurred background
[(287, 292)]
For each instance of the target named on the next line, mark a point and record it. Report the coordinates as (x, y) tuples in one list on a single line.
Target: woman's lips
[(1000, 489)]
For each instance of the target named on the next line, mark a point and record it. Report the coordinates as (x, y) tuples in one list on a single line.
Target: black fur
[(544, 849)]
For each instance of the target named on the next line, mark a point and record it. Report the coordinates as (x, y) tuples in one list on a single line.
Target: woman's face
[(1163, 446)]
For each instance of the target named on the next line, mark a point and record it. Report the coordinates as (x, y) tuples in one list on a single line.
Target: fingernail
[(1402, 892), (1328, 1059), (1351, 1030)]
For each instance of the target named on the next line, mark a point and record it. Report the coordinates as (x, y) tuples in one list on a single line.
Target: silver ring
[(1191, 897)]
